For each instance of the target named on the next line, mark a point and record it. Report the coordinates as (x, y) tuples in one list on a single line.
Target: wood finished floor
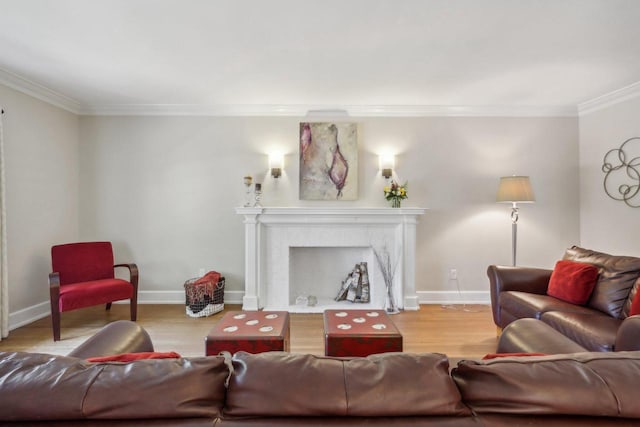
[(460, 331)]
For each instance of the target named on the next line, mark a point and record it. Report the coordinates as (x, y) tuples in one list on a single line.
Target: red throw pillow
[(497, 355), (635, 304), (573, 281), (130, 357)]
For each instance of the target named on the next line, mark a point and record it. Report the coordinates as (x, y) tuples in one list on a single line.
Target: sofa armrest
[(122, 336), (628, 336), (523, 279)]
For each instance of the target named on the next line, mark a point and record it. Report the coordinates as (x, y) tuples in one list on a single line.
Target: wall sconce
[(387, 164), (276, 162)]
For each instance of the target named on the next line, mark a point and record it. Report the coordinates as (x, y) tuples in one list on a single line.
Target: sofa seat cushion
[(596, 384), (595, 332), (279, 384), (523, 304)]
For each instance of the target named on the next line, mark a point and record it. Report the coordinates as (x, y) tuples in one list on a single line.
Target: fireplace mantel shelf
[(272, 232), (350, 211)]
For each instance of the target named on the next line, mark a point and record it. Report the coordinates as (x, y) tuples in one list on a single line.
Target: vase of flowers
[(395, 193)]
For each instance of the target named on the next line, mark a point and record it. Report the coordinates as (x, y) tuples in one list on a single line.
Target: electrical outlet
[(201, 272), (453, 274)]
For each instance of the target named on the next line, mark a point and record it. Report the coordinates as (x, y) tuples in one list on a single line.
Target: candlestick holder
[(248, 197), (257, 195)]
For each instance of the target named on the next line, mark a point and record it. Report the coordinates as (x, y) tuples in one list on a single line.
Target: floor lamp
[(515, 189)]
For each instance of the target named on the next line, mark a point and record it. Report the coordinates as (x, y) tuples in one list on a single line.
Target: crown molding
[(279, 110), (38, 91), (298, 110), (609, 99)]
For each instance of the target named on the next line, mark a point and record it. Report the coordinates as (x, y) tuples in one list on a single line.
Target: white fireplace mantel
[(271, 233)]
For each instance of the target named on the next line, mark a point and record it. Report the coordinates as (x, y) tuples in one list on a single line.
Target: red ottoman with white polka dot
[(349, 333), (250, 331)]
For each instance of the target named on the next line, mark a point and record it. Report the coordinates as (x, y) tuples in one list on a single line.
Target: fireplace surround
[(285, 246)]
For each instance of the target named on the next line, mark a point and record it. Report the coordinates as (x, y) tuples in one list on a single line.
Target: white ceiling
[(119, 55)]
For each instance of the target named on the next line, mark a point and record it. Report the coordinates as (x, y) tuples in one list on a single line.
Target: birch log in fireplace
[(291, 252)]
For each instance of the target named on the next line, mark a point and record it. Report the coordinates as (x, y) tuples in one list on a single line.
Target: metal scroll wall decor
[(621, 167)]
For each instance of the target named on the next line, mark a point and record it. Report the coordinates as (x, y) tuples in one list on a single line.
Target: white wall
[(163, 189), (41, 160), (606, 224)]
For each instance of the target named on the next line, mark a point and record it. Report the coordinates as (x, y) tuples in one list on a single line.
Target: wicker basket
[(204, 299)]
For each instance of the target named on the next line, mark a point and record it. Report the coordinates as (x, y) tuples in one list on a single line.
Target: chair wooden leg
[(55, 323), (108, 306), (133, 306), (54, 300)]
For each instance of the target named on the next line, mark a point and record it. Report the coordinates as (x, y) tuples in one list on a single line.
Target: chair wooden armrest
[(133, 279), (133, 273)]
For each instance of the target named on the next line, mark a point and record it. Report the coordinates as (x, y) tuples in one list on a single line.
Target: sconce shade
[(387, 163), (515, 189)]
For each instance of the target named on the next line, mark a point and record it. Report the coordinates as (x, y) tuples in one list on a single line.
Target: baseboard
[(235, 297), (159, 297), (29, 315), (38, 311), (454, 297)]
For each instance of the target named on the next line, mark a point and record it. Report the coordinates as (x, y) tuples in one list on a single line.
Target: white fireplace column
[(272, 232), (251, 298)]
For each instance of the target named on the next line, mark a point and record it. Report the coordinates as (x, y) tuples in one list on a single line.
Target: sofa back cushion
[(617, 275), (572, 281), (46, 387), (281, 384), (592, 384)]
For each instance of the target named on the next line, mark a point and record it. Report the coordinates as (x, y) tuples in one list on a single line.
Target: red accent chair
[(83, 276)]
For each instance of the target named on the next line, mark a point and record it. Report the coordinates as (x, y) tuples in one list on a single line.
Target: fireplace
[(318, 272), (297, 252)]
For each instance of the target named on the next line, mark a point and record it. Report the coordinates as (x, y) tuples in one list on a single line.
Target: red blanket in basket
[(212, 276)]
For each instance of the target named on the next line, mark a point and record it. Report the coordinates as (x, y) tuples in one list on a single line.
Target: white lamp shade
[(276, 161), (387, 161), (515, 189)]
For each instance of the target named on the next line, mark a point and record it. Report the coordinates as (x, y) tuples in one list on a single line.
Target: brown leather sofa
[(603, 324), (283, 389)]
